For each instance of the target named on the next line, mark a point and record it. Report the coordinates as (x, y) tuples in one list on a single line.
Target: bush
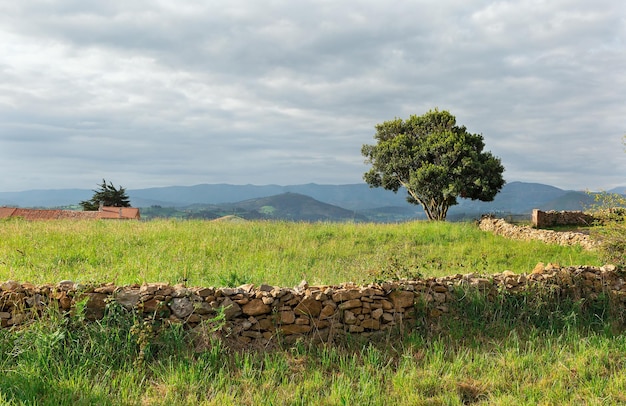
[(610, 211)]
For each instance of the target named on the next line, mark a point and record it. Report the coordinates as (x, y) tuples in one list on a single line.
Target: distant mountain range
[(309, 202)]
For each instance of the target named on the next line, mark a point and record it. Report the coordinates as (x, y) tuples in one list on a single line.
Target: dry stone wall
[(541, 219), (259, 315), (526, 233)]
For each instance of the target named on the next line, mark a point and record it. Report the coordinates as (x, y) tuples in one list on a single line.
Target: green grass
[(279, 253), (61, 361), (516, 350)]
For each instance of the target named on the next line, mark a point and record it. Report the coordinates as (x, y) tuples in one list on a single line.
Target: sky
[(150, 93)]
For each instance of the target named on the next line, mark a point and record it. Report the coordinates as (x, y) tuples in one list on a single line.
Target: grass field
[(279, 253), (555, 355)]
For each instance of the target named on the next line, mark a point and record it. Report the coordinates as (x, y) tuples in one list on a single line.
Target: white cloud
[(159, 93)]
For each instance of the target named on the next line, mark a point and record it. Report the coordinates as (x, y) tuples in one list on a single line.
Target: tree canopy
[(435, 160), (106, 195)]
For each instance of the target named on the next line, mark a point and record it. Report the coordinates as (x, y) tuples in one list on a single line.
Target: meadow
[(205, 253), (560, 355)]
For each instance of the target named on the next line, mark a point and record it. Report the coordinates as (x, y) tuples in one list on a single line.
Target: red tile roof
[(117, 213), (6, 212)]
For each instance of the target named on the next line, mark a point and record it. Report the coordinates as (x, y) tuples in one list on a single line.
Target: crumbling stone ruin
[(542, 219)]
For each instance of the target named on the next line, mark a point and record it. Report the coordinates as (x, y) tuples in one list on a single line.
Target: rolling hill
[(308, 202), (285, 206), (294, 206)]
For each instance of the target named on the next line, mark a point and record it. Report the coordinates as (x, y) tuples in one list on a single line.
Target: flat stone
[(128, 299), (290, 329), (193, 318), (35, 301), (287, 317), (440, 288), (180, 291), (278, 292), (321, 297), (387, 317), (370, 324), (266, 324), (344, 295), (355, 329), (252, 334), (248, 287), (401, 299), (181, 307), (205, 292), (229, 291), (349, 317), (11, 285), (386, 304), (302, 320), (231, 309), (350, 304), (65, 302), (309, 306), (107, 289), (152, 305), (93, 299), (255, 307), (327, 311), (377, 313), (369, 291), (166, 290), (65, 285), (202, 308), (608, 268), (480, 282), (539, 268), (302, 286)]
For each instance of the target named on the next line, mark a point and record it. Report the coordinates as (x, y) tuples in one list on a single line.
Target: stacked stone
[(259, 315), (19, 303), (525, 233), (553, 218)]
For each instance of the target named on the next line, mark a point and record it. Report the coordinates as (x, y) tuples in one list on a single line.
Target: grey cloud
[(283, 92)]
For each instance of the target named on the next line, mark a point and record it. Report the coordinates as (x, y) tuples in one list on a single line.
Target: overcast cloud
[(156, 93)]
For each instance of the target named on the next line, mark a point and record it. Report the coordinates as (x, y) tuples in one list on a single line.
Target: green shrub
[(610, 210)]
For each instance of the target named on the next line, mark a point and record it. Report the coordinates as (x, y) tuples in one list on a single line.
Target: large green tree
[(435, 160), (106, 195)]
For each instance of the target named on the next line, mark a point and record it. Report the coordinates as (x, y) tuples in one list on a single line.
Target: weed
[(233, 279), (395, 268)]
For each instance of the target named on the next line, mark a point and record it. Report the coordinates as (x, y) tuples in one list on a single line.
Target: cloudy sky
[(150, 93)]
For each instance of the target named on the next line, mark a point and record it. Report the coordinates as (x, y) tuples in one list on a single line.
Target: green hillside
[(286, 206)]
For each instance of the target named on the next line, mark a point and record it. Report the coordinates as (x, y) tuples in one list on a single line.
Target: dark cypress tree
[(106, 195)]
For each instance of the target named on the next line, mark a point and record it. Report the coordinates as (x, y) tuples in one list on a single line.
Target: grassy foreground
[(62, 361), (280, 253), (503, 353)]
